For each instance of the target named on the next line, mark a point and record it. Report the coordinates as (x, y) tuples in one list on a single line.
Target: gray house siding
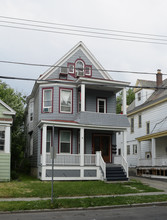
[(91, 100), (78, 55)]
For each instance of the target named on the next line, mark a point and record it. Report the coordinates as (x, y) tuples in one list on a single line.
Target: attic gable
[(68, 64), (5, 109)]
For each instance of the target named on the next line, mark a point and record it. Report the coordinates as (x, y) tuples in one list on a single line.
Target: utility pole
[(52, 156)]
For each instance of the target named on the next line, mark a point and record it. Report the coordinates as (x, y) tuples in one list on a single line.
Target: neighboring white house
[(6, 121), (147, 135)]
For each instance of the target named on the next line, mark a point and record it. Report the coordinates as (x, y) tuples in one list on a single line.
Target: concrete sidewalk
[(83, 197)]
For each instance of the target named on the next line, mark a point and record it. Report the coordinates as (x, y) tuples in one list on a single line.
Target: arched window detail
[(79, 68)]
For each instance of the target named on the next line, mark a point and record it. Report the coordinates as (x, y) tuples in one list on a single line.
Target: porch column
[(81, 146), (124, 101), (44, 130), (7, 140), (82, 97), (138, 152), (153, 151), (125, 145)]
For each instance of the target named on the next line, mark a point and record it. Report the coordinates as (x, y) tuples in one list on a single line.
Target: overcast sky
[(145, 16)]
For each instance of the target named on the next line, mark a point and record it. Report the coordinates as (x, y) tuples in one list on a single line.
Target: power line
[(83, 27), (83, 31), (83, 35), (48, 65), (58, 81)]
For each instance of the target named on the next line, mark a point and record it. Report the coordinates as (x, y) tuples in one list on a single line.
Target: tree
[(130, 98), (17, 102)]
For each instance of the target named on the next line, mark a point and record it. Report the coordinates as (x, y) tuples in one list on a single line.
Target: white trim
[(6, 122), (73, 125), (6, 106), (86, 51), (105, 102)]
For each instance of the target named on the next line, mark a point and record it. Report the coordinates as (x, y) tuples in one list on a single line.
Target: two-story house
[(72, 118), (6, 120), (147, 135)]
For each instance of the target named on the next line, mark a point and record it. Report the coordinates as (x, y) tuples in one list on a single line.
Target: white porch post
[(44, 145), (138, 152), (7, 139), (81, 146), (124, 101), (153, 151), (82, 97), (125, 145)]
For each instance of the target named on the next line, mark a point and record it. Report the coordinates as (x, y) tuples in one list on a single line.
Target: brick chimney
[(159, 78)]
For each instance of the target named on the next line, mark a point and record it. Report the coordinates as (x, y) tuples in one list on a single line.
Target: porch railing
[(159, 161), (122, 161), (90, 159), (101, 163), (145, 162), (64, 159)]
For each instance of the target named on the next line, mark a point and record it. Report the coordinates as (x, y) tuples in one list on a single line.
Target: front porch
[(153, 155)]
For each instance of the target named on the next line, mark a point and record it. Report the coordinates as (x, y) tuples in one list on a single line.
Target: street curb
[(88, 208)]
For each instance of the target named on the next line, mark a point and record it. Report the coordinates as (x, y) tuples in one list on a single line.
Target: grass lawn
[(30, 187), (76, 203)]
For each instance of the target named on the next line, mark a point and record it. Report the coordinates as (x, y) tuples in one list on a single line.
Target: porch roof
[(153, 135)]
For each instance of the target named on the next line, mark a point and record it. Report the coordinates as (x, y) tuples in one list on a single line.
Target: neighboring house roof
[(159, 95), (9, 110)]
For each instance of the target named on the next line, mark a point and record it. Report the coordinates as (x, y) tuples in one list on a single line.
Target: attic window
[(71, 68), (79, 68), (88, 70), (139, 96)]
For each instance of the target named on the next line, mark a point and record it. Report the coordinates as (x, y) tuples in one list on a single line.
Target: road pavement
[(149, 213)]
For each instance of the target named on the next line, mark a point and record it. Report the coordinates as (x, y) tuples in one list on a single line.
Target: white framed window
[(71, 68), (88, 70), (66, 100), (147, 127), (101, 105), (134, 148), (132, 125), (48, 140), (139, 121), (139, 96), (47, 100), (65, 141), (2, 139), (79, 68), (128, 149), (31, 145), (31, 111)]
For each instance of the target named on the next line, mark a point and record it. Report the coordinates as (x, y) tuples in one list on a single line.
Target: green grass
[(30, 187), (76, 203)]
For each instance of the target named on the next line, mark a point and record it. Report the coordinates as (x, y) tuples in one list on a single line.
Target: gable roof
[(86, 51), (159, 95), (9, 111), (144, 83)]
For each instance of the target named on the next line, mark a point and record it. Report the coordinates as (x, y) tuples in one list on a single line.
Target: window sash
[(132, 125), (65, 142), (128, 149), (101, 106), (2, 140), (134, 149), (48, 140), (147, 127), (47, 100), (66, 100), (140, 121)]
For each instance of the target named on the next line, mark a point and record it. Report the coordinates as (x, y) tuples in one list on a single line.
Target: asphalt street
[(149, 213)]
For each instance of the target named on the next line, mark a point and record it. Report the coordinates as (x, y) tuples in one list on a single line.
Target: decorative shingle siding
[(78, 55), (91, 100)]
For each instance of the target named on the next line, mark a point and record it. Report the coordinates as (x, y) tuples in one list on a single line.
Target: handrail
[(102, 164), (125, 165)]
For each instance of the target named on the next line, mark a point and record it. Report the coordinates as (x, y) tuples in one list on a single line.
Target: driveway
[(156, 183)]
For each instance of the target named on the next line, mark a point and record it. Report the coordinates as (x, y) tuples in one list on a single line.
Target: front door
[(102, 143)]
